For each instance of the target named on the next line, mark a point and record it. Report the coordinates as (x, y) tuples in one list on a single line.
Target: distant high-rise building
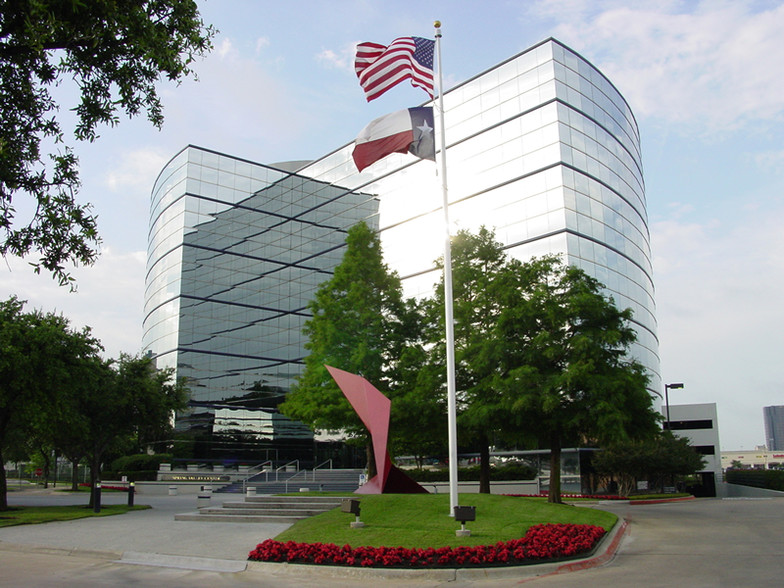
[(542, 149), (774, 427)]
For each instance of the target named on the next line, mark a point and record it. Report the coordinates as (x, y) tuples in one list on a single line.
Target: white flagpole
[(448, 301)]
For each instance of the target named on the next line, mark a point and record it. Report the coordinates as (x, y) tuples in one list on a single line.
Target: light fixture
[(667, 388)]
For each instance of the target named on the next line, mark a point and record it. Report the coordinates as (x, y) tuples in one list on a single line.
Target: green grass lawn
[(422, 520), (29, 515)]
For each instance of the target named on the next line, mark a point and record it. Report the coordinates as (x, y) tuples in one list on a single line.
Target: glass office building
[(541, 148), (236, 251)]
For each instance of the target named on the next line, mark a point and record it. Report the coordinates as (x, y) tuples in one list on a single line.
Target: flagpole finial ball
[(437, 24)]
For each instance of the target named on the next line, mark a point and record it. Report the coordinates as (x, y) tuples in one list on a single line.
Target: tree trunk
[(3, 485), (95, 477), (554, 494), (484, 466), (75, 474), (47, 465)]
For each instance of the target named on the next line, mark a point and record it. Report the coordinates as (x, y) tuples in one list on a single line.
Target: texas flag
[(404, 131)]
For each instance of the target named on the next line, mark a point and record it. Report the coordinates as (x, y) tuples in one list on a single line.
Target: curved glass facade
[(541, 148), (545, 151), (236, 251)]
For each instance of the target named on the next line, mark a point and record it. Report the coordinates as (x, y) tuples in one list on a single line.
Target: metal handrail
[(285, 465), (270, 463), (259, 466), (305, 472), (256, 469), (329, 461)]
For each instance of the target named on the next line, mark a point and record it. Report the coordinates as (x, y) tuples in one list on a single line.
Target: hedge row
[(770, 479), (141, 461), (137, 468), (504, 473)]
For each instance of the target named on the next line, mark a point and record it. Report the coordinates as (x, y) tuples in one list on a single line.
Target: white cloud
[(770, 161), (224, 48), (240, 104), (109, 299), (341, 59), (136, 170), (261, 44), (718, 66)]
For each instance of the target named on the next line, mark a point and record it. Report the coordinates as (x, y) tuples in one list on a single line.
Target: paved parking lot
[(704, 542)]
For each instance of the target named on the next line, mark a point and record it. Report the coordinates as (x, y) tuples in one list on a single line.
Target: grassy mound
[(422, 521)]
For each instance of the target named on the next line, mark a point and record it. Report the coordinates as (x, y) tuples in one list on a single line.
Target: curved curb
[(523, 573), (615, 537), (661, 500), (602, 558), (203, 564)]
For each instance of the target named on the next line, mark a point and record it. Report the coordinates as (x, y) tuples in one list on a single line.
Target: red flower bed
[(591, 496), (105, 487), (541, 542)]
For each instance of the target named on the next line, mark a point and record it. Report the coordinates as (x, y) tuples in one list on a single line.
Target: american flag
[(379, 67)]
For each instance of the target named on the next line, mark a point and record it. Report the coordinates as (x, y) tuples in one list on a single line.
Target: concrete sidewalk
[(153, 531), (153, 538)]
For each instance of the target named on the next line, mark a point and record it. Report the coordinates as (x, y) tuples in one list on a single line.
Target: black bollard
[(97, 497), (131, 491)]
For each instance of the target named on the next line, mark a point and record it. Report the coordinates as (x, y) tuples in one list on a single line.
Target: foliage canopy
[(57, 393), (570, 377), (40, 355), (357, 323), (114, 51), (541, 354), (656, 460)]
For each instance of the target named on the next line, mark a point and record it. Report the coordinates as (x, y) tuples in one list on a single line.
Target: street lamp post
[(667, 388)]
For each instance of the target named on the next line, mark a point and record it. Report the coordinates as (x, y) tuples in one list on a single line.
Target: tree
[(655, 460), (568, 375), (39, 355), (478, 266), (125, 405), (153, 396), (356, 326), (69, 431), (115, 51), (418, 421)]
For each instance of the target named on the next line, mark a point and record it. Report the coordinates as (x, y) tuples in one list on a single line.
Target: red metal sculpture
[(373, 408)]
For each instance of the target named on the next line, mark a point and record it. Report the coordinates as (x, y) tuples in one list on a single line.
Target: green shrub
[(513, 471), (141, 462), (504, 473), (770, 479), (138, 475)]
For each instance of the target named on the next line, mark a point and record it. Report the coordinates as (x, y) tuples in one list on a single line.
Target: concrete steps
[(335, 480), (264, 509)]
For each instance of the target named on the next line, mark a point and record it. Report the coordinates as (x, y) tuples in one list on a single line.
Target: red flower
[(541, 542)]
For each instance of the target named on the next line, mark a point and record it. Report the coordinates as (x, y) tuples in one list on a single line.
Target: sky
[(705, 81)]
